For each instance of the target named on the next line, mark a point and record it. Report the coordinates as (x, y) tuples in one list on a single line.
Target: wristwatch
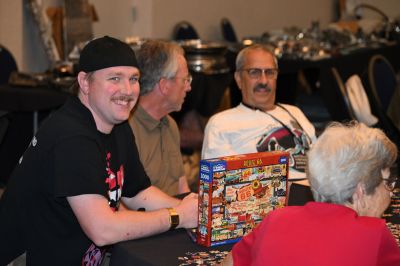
[(173, 218)]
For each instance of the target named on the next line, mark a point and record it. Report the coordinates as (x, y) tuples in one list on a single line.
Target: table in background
[(24, 108), (163, 249)]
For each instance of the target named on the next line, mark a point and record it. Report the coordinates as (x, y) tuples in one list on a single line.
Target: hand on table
[(188, 211)]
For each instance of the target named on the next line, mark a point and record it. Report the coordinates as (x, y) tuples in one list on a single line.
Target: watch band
[(173, 218)]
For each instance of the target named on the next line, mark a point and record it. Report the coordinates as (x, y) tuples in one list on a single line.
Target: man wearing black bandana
[(259, 123), (62, 204)]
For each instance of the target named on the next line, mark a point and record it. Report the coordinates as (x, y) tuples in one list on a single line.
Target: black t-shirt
[(70, 157)]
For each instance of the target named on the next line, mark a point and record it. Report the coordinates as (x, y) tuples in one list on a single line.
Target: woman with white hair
[(349, 173)]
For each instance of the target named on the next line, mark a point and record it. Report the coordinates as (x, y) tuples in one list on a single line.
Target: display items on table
[(212, 257), (237, 192)]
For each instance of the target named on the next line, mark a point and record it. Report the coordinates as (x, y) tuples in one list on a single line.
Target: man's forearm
[(151, 198)]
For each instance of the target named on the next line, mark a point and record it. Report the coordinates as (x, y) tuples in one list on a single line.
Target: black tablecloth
[(28, 99), (163, 249), (18, 105)]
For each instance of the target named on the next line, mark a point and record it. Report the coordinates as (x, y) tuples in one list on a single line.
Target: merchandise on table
[(237, 192)]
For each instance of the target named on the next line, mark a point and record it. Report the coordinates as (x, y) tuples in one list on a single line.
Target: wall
[(156, 19), (248, 17), (11, 27)]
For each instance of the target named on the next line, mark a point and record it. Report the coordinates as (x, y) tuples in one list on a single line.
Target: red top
[(318, 234)]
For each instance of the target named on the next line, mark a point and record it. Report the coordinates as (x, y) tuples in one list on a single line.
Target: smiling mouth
[(123, 100)]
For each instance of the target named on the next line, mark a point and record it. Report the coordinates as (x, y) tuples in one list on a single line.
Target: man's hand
[(188, 211)]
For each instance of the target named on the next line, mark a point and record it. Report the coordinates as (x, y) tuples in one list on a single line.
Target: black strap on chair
[(227, 31), (382, 79), (381, 90), (185, 31), (343, 91)]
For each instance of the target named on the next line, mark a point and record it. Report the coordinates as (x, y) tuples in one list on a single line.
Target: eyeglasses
[(255, 73), (390, 183), (188, 79)]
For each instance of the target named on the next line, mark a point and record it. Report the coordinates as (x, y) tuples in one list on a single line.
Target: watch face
[(174, 220)]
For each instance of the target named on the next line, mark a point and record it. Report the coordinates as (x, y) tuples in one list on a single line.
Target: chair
[(382, 79), (3, 124), (384, 93), (227, 31), (185, 31), (355, 98), (340, 85), (7, 65)]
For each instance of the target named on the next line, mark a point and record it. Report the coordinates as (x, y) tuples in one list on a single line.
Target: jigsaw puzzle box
[(237, 192)]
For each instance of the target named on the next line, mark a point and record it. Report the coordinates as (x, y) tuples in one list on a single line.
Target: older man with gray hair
[(165, 80), (259, 123)]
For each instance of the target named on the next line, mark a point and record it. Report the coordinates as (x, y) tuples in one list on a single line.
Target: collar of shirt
[(149, 122)]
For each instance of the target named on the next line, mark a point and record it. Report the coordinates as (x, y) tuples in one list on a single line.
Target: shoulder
[(372, 222), (68, 122), (292, 108), (229, 114), (171, 122), (301, 118)]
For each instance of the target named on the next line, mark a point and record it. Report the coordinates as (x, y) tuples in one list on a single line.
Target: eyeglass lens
[(390, 183), (256, 73)]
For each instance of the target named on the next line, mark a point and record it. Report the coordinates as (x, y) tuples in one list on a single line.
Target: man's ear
[(83, 82), (238, 80), (163, 85)]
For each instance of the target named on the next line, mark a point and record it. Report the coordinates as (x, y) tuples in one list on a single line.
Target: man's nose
[(127, 87), (188, 87), (263, 78)]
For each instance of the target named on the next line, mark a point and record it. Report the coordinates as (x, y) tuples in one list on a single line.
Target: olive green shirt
[(158, 143)]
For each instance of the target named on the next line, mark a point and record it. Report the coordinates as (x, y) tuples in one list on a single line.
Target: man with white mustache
[(258, 123), (165, 81), (62, 204)]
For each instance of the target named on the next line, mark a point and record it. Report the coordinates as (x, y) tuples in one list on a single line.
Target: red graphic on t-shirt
[(115, 183), (94, 255)]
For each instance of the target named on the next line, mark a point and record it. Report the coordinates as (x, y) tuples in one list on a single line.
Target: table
[(24, 107), (30, 99), (163, 249), (166, 248)]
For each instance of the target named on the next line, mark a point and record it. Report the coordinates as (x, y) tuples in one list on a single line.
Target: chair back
[(340, 86), (185, 31), (227, 31), (382, 79), (3, 125), (7, 65)]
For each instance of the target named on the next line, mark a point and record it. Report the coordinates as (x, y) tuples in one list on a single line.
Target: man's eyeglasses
[(188, 79), (255, 73), (390, 183)]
